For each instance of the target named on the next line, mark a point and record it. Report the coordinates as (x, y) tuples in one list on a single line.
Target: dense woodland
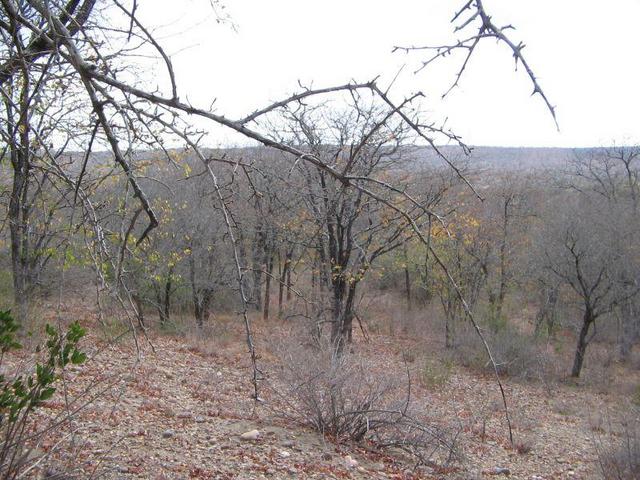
[(517, 263), (553, 248)]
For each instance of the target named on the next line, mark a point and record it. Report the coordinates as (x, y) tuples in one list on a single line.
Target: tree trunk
[(284, 271), (202, 303), (343, 313), (448, 333), (628, 330), (502, 291), (267, 287), (164, 299), (201, 296), (167, 294), (282, 274), (581, 348), (18, 224), (426, 278), (289, 285), (139, 309), (407, 277), (448, 306), (259, 246), (546, 315)]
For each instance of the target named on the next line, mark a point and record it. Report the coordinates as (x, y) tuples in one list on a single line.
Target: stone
[(168, 433), (350, 462), (285, 454), (250, 435), (501, 471)]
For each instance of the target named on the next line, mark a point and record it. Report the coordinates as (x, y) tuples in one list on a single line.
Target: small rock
[(199, 419), (361, 469), (168, 433), (288, 443), (184, 415), (285, 454), (326, 457), (250, 435), (350, 462), (501, 471), (123, 469)]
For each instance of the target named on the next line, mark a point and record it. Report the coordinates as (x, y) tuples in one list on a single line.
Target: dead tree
[(581, 251)]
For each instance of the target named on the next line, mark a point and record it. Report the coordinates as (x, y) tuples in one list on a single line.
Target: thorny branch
[(486, 29)]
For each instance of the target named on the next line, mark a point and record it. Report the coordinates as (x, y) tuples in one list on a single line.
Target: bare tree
[(350, 229), (611, 177), (34, 116), (581, 250), (505, 220), (466, 253)]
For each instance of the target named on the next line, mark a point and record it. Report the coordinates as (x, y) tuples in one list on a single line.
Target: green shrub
[(6, 286), (23, 393)]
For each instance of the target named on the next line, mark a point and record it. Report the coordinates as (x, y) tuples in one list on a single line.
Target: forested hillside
[(349, 291)]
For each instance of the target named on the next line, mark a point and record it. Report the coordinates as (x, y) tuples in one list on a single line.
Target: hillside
[(178, 407)]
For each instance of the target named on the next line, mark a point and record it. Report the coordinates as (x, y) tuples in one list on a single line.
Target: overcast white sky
[(585, 52)]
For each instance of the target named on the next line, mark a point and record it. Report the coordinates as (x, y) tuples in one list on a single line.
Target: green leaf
[(47, 393), (78, 357)]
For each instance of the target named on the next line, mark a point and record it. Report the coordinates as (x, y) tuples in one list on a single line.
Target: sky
[(584, 52)]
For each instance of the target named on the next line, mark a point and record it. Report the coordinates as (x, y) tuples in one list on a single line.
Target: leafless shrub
[(619, 458), (345, 398), (516, 355), (600, 369), (210, 338), (523, 447), (435, 372)]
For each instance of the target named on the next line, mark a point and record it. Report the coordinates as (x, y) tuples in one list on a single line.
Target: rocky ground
[(173, 409)]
